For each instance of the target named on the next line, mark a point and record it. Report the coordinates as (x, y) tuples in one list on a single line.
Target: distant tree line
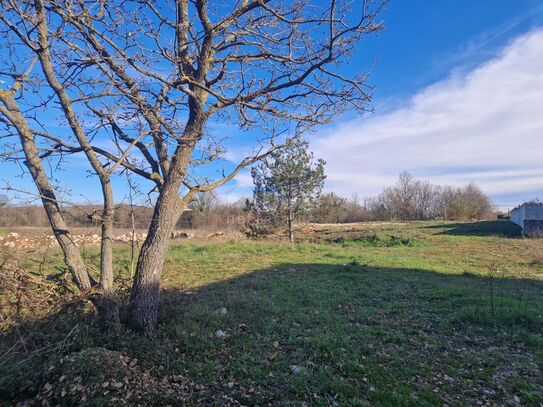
[(76, 216), (408, 199), (412, 199), (206, 212)]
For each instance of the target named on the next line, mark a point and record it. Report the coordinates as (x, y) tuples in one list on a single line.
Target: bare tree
[(329, 208), (205, 202), (404, 193), (469, 202), (424, 200), (398, 201), (138, 85), (202, 209)]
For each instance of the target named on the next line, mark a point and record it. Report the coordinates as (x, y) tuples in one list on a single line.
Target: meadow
[(424, 313)]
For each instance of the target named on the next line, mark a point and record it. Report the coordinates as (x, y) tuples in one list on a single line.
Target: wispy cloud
[(485, 126), (482, 44)]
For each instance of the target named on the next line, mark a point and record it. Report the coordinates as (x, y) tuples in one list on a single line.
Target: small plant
[(378, 240), (258, 225)]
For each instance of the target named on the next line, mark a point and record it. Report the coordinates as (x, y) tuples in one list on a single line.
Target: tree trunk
[(133, 239), (143, 307), (290, 227), (107, 306), (72, 256), (106, 253)]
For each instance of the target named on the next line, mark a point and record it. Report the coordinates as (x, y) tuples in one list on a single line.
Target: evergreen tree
[(287, 183)]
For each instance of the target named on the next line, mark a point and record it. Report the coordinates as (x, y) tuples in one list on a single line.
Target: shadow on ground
[(500, 228), (318, 334)]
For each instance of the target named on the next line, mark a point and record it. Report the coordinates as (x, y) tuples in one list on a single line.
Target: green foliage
[(378, 240), (261, 223), (286, 184)]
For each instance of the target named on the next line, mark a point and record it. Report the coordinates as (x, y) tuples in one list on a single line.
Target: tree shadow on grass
[(321, 334), (498, 228)]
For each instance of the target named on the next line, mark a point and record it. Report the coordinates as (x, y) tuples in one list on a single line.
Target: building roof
[(530, 203)]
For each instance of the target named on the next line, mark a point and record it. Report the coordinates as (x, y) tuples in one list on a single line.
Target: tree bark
[(290, 227), (143, 307), (144, 297), (107, 305)]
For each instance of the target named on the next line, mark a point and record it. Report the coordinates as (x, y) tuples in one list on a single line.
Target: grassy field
[(413, 314)]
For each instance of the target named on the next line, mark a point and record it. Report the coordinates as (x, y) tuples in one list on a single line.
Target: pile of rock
[(15, 240), (127, 238), (177, 234), (10, 240), (95, 239)]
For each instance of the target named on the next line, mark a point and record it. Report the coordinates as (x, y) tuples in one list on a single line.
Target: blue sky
[(435, 53), (424, 40), (431, 67)]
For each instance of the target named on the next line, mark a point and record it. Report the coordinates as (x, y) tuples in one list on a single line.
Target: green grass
[(446, 318), (378, 241)]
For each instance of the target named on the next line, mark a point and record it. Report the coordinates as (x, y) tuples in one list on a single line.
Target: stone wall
[(518, 215), (529, 216), (533, 228), (534, 211)]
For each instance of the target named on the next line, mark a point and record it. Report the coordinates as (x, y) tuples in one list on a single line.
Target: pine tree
[(287, 183)]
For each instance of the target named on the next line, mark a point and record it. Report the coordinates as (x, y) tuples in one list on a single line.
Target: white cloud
[(232, 197), (241, 188), (244, 180), (484, 126)]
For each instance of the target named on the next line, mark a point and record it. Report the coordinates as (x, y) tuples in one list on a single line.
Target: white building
[(529, 216)]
